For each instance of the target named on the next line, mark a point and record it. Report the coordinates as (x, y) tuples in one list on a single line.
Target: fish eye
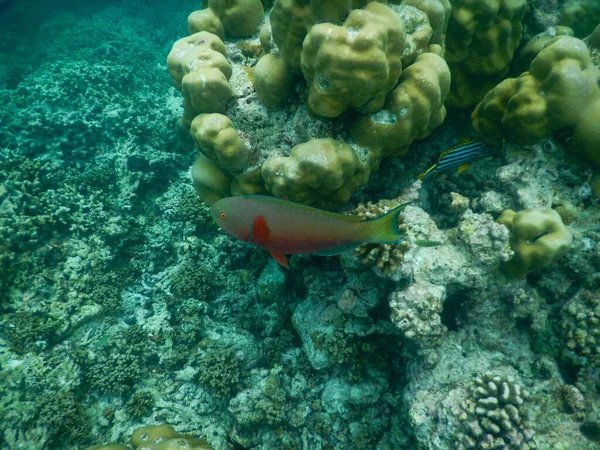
[(223, 215)]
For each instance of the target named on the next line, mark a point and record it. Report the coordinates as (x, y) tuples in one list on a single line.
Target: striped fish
[(460, 156)]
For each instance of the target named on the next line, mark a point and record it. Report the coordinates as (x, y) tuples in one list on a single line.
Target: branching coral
[(493, 415), (580, 326), (220, 371), (385, 257)]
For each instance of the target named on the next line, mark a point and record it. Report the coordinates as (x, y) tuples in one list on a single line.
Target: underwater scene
[(300, 225)]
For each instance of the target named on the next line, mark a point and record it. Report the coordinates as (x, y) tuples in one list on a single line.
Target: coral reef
[(353, 65), (493, 415), (201, 72), (481, 39), (538, 237), (321, 172), (231, 18), (122, 304), (580, 326), (412, 110), (524, 109), (158, 437), (581, 15)]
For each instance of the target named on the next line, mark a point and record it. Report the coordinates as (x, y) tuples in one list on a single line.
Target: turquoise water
[(124, 305)]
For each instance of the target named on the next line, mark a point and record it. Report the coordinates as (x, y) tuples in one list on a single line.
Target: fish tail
[(386, 229)]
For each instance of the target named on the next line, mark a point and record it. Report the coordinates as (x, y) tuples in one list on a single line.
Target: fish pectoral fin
[(280, 258), (464, 167)]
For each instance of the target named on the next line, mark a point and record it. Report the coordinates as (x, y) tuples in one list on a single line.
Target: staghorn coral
[(141, 404), (220, 371), (63, 415), (114, 373)]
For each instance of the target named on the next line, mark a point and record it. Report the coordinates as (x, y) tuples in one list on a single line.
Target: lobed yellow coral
[(234, 18), (537, 43), (211, 181), (538, 237), (560, 92), (323, 172), (290, 22), (581, 15), (354, 65), (159, 437), (200, 70), (272, 80), (481, 39), (216, 138), (438, 14), (411, 111)]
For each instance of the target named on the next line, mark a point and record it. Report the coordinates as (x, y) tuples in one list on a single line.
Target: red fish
[(284, 227)]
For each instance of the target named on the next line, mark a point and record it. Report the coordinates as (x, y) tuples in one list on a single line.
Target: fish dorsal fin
[(280, 258), (259, 232)]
